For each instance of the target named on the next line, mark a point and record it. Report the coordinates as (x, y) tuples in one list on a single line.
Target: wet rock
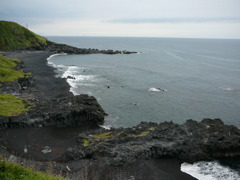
[(71, 77)]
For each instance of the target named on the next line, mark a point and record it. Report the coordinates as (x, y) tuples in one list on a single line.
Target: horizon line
[(140, 37)]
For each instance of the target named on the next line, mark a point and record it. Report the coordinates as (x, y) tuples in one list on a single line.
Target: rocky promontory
[(63, 112), (16, 37), (63, 48), (190, 142)]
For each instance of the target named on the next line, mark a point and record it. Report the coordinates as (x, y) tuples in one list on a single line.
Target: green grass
[(7, 71), (12, 106), (10, 171), (14, 36), (86, 142), (143, 133), (104, 135)]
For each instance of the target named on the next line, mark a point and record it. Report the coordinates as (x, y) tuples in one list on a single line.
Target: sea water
[(169, 79)]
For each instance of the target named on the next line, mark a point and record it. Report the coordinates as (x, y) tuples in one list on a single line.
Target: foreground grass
[(10, 171), (7, 71), (14, 36), (11, 105)]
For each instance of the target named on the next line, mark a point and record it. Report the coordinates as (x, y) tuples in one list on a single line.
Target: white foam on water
[(75, 79), (53, 55), (73, 76), (110, 121), (87, 84), (107, 127), (52, 64), (153, 89), (209, 171)]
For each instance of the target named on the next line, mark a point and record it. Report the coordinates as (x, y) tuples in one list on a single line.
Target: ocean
[(169, 79)]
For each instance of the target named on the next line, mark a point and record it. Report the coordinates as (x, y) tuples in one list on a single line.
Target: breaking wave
[(209, 171)]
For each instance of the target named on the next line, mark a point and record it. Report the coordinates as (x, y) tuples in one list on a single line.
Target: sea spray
[(209, 171)]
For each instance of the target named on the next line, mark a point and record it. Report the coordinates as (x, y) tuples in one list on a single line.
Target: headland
[(61, 132)]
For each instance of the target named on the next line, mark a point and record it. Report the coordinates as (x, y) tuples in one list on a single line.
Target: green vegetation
[(7, 71), (86, 142), (12, 106), (10, 171), (152, 128), (104, 135), (111, 135), (143, 133), (14, 36)]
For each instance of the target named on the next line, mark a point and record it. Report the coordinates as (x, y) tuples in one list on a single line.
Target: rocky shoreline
[(64, 112), (116, 150), (190, 142), (63, 48)]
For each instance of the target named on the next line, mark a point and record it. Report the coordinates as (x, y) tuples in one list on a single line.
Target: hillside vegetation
[(14, 36), (12, 106), (9, 104), (10, 171), (8, 73)]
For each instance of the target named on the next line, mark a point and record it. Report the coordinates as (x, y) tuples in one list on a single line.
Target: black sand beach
[(46, 85), (59, 139)]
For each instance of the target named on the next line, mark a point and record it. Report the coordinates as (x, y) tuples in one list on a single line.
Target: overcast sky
[(142, 18)]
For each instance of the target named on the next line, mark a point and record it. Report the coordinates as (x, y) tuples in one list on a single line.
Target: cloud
[(176, 20)]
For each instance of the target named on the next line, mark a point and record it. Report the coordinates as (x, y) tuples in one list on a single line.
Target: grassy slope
[(10, 171), (12, 106), (14, 36), (7, 71)]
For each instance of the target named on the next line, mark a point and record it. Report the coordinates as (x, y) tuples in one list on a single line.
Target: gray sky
[(143, 18)]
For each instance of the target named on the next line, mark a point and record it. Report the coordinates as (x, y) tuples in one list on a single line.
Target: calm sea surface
[(200, 78), (170, 80)]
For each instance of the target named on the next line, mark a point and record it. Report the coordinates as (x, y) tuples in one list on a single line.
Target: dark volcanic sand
[(46, 85), (59, 139)]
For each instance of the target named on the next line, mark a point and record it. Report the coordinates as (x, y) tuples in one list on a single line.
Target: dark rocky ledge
[(63, 48), (189, 142), (63, 112)]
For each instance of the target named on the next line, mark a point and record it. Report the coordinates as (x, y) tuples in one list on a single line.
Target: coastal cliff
[(47, 105)]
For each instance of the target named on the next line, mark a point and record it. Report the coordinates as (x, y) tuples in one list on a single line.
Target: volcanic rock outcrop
[(191, 142), (63, 48), (64, 112)]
